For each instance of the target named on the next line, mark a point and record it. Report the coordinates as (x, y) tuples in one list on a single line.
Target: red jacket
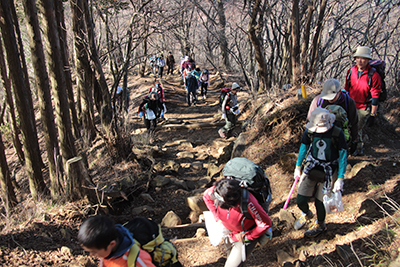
[(233, 217), (359, 89)]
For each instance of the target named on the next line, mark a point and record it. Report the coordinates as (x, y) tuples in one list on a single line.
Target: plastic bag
[(333, 203), (216, 231), (150, 114)]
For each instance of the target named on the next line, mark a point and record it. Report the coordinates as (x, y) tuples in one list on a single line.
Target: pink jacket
[(233, 217)]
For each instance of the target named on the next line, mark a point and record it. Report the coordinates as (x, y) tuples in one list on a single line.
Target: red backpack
[(224, 92)]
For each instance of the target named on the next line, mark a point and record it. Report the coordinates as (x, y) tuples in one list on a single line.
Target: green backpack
[(252, 178), (341, 120)]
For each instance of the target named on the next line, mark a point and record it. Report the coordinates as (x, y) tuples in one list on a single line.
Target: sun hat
[(235, 86), (363, 51), (330, 89), (320, 120)]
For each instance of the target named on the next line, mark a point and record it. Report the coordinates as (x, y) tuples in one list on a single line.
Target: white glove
[(297, 171), (223, 116), (338, 186)]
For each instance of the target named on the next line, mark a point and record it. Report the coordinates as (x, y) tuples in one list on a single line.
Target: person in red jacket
[(223, 200), (364, 92)]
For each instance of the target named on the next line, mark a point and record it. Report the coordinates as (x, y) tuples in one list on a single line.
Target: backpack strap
[(335, 136), (133, 254), (244, 201)]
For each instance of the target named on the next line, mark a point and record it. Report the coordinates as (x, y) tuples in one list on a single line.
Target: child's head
[(321, 120), (98, 236)]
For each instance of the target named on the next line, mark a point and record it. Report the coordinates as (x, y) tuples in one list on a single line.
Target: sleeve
[(302, 154), (376, 88), (224, 103), (261, 218), (342, 155), (210, 203)]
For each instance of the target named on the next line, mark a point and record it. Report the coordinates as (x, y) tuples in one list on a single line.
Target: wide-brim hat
[(320, 120), (330, 89), (363, 51)]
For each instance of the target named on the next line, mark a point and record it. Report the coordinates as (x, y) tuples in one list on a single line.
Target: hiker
[(364, 92), (191, 86), (150, 110), (223, 200), (230, 109), (161, 65), (113, 244), (184, 61), (333, 95), (204, 83), (161, 97), (324, 152), (170, 63)]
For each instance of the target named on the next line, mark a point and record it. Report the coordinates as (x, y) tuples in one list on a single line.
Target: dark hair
[(97, 232), (230, 191)]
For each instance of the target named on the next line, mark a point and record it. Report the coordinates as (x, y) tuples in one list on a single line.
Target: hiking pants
[(203, 88), (191, 93), (234, 251), (150, 124), (170, 69), (160, 71), (363, 115), (230, 122)]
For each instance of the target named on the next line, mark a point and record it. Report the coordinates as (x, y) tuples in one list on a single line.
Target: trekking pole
[(291, 192)]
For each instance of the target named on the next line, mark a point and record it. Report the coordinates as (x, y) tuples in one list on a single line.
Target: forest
[(61, 63)]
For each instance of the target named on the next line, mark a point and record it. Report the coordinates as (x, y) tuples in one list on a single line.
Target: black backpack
[(149, 236), (252, 178), (224, 92), (377, 65)]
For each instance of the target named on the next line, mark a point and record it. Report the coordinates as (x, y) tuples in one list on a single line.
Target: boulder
[(185, 154), (171, 219)]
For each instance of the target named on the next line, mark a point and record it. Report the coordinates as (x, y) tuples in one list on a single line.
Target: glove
[(371, 120), (224, 116), (268, 233), (338, 186), (297, 171), (353, 147), (140, 114)]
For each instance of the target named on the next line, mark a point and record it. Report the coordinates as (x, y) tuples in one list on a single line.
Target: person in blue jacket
[(323, 155)]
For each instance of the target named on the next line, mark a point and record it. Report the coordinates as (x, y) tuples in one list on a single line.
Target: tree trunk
[(65, 56), (83, 70), (106, 111), (258, 51), (29, 137), (57, 75), (9, 99), (221, 34), (7, 189), (44, 93), (295, 51), (306, 39)]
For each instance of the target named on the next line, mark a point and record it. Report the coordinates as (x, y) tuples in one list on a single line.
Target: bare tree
[(7, 189)]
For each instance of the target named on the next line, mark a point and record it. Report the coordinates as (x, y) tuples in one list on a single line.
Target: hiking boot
[(301, 221), (221, 133), (315, 229)]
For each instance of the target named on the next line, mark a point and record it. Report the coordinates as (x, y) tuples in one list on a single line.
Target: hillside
[(187, 154)]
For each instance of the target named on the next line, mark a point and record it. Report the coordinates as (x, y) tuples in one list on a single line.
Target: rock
[(171, 220), (198, 142), (185, 154), (159, 167), (65, 251), (179, 183), (200, 232), (126, 182), (186, 144), (172, 165), (356, 168), (160, 181), (196, 203), (225, 153), (138, 210), (284, 258), (197, 165), (194, 216), (202, 156), (239, 145), (65, 234), (213, 169), (203, 182), (147, 197), (285, 215)]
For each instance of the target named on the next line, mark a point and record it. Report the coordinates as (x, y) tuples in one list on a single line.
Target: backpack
[(148, 235), (377, 65), (315, 147), (224, 92), (252, 179)]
